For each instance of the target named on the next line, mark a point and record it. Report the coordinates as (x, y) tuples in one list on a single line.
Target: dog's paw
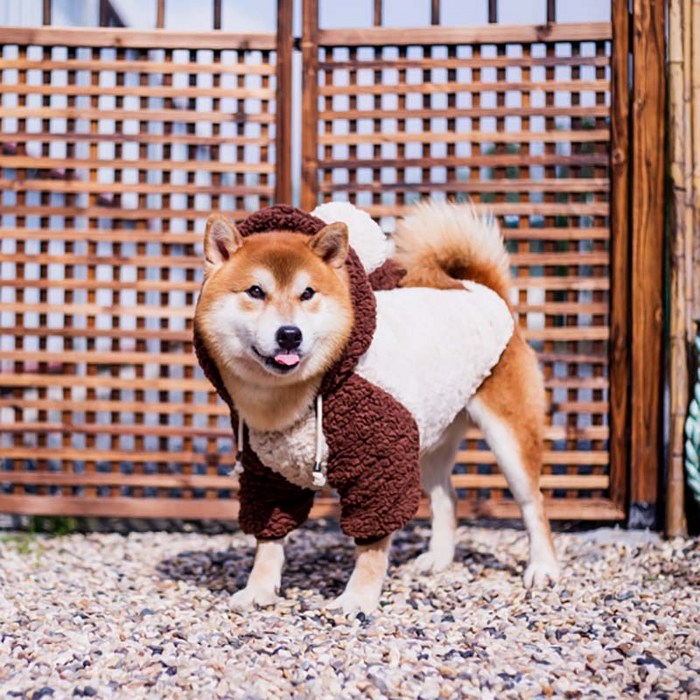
[(433, 562), (250, 597), (350, 603), (540, 574)]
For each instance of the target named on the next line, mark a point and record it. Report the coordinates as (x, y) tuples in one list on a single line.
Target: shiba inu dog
[(276, 313)]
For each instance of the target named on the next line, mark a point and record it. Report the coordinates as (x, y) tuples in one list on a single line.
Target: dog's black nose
[(289, 337)]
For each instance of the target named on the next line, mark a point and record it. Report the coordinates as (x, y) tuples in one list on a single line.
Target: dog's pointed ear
[(221, 241), (331, 244)]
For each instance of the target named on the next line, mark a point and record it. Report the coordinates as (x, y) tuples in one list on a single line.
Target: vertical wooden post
[(378, 13), (309, 107), (680, 38), (283, 99), (693, 58), (104, 13), (46, 13), (217, 14), (435, 12), (551, 11), (160, 14), (620, 336), (493, 12), (647, 259)]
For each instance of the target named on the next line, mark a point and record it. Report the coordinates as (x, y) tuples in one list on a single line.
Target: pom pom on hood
[(372, 245)]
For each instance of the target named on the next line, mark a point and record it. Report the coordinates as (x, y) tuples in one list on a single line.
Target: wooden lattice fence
[(116, 144)]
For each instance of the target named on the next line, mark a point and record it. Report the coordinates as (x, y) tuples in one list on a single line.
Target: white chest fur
[(433, 348)]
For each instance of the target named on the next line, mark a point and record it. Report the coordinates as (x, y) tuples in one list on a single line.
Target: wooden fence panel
[(518, 119), (116, 145)]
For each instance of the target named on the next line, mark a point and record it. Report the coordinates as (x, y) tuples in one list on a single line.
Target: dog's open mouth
[(282, 361)]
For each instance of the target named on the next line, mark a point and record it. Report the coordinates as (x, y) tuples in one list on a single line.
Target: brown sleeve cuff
[(270, 506)]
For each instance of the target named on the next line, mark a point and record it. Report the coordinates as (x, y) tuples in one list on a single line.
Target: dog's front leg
[(263, 585), (365, 584)]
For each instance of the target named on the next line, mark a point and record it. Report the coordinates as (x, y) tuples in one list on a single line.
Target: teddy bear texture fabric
[(372, 439)]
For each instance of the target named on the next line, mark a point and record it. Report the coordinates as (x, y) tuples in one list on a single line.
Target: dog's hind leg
[(265, 577), (509, 409), (436, 473)]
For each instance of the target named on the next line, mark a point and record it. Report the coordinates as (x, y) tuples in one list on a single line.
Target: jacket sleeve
[(270, 506), (374, 449)]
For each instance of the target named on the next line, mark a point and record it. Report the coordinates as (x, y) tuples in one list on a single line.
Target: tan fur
[(263, 586), (269, 402), (515, 392), (365, 585), (440, 244)]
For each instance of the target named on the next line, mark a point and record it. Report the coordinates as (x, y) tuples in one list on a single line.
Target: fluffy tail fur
[(440, 243)]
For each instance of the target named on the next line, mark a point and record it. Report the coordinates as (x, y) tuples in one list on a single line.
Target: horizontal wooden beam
[(227, 509), (586, 482), (107, 37), (484, 34), (429, 62), (551, 432)]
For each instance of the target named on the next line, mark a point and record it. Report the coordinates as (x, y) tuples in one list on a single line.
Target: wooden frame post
[(309, 106), (283, 110), (620, 335), (648, 104), (683, 34)]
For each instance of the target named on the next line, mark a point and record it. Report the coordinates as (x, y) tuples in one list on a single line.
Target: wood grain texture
[(683, 34), (283, 137), (309, 105), (648, 105), (108, 206), (620, 255), (106, 37), (486, 34), (227, 509), (401, 118)]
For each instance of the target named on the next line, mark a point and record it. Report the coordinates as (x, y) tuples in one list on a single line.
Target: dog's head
[(275, 307)]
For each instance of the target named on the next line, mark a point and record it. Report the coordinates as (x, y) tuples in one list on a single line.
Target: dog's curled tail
[(439, 243)]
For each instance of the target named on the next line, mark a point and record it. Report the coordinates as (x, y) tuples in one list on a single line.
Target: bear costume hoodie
[(373, 440)]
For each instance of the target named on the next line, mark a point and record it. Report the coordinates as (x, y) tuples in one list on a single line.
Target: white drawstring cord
[(318, 476), (238, 466)]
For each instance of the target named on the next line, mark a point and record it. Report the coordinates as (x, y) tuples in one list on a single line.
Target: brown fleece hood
[(372, 439)]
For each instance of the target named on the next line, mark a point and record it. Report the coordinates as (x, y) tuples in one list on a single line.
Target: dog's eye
[(307, 294), (255, 292)]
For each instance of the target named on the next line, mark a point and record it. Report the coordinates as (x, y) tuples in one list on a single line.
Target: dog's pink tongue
[(289, 359)]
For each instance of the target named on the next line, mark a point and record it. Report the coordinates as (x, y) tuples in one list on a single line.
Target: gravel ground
[(145, 616)]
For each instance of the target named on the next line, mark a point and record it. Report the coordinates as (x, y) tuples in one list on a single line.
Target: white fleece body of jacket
[(433, 348)]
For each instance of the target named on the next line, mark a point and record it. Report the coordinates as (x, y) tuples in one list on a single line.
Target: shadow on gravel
[(308, 565), (313, 562), (409, 544), (222, 572)]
